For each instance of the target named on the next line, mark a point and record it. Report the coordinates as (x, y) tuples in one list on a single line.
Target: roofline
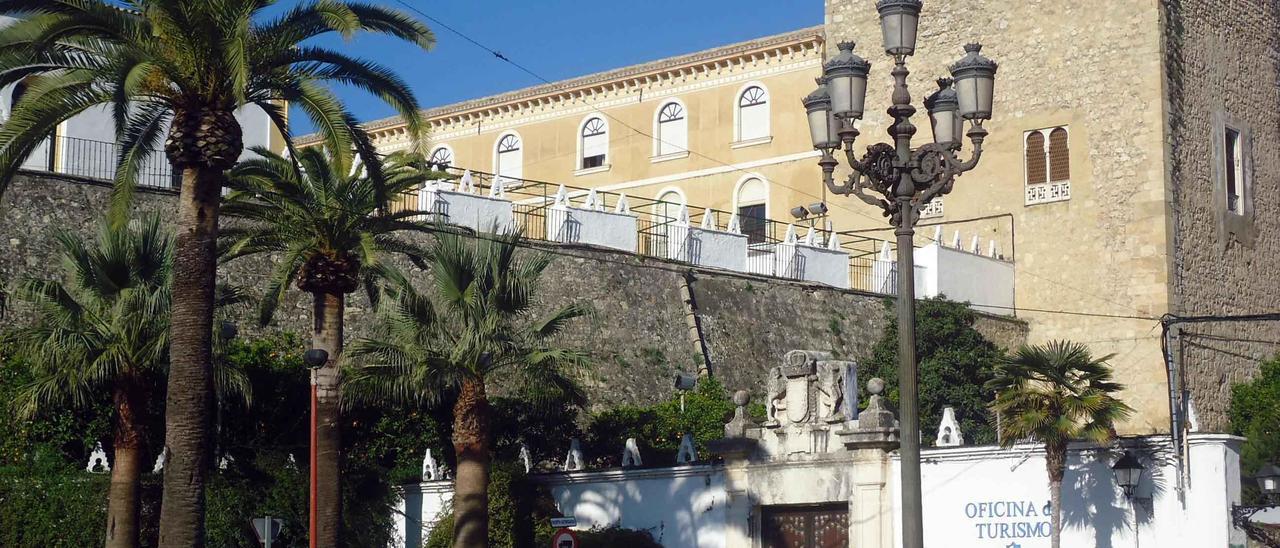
[(814, 34)]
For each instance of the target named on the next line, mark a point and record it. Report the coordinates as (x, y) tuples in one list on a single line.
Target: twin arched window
[(673, 129), (509, 158), (1051, 162), (594, 147), (753, 114)]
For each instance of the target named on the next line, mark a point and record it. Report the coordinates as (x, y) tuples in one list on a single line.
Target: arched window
[(595, 143), (441, 157), (753, 114), (673, 129), (750, 201), (510, 157), (1059, 156), (1036, 165), (1048, 165)]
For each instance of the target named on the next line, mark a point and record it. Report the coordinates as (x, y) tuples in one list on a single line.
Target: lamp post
[(901, 180), (314, 359), (1268, 478)]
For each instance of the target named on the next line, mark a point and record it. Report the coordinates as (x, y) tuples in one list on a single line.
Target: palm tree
[(183, 68), (1056, 393), (478, 321), (333, 229), (106, 332)]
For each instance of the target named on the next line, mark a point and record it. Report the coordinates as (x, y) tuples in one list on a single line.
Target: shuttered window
[(595, 143), (1036, 168), (510, 157), (1059, 156), (673, 129), (753, 114)]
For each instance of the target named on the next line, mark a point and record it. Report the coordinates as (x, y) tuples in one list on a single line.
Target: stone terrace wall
[(1223, 65), (637, 334)]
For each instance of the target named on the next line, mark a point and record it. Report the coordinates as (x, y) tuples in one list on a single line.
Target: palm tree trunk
[(1055, 462), (189, 401), (327, 334), (471, 416), (123, 496)]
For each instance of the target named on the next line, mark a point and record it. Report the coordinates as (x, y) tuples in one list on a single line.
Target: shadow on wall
[(1091, 499), (691, 507)]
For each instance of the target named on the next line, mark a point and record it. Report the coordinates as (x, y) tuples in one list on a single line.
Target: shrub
[(1255, 414), (519, 512), (658, 428), (617, 537)]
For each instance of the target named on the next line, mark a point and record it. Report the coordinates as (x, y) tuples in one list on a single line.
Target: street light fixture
[(1128, 471), (1268, 478), (901, 180), (314, 359)]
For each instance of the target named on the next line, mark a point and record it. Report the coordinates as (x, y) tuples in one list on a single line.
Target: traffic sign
[(564, 538), (266, 529), (564, 522)]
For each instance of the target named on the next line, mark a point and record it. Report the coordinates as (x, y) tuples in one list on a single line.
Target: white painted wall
[(965, 277), (963, 487), (419, 508), (716, 249), (682, 506), (584, 226), (479, 213), (813, 264)]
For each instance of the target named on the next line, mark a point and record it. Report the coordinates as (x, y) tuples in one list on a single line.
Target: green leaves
[(1056, 393), (1255, 414)]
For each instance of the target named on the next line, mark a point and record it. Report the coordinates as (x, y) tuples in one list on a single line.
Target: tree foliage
[(955, 363), (659, 428), (1255, 414)]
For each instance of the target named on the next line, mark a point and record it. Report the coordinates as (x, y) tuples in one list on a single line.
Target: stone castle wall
[(1223, 68), (637, 335)]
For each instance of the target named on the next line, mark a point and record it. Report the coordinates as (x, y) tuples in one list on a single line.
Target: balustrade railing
[(92, 159)]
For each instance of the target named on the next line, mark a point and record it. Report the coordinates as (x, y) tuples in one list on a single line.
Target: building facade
[(1125, 175)]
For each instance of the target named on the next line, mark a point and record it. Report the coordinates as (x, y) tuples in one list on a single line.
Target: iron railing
[(659, 229), (97, 160)]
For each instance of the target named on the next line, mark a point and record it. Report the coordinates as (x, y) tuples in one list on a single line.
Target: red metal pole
[(313, 460)]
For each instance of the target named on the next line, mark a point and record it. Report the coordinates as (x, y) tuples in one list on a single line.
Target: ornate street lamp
[(1268, 478), (900, 180)]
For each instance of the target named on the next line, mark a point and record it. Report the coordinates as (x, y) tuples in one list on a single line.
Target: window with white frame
[(441, 157), (673, 129), (510, 157), (753, 114), (595, 143), (1047, 165), (750, 204)]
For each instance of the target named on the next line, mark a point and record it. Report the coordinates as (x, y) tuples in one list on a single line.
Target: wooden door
[(824, 526)]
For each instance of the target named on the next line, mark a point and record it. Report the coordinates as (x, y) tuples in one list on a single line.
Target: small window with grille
[(1047, 165)]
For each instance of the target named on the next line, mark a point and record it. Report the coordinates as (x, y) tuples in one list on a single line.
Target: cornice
[(610, 86)]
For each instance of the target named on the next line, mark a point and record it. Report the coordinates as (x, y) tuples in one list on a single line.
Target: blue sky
[(557, 39)]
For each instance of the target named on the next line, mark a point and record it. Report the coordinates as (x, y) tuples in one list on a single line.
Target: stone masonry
[(637, 334), (1222, 69)]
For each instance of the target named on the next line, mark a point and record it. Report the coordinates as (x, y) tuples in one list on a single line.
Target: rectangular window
[(751, 219), (593, 161), (1234, 172)]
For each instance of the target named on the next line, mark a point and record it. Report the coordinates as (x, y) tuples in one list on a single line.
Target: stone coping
[(626, 474)]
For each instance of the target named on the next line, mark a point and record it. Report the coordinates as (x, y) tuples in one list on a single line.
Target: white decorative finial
[(622, 206), (955, 241), (98, 461), (159, 465), (631, 454), (833, 243), (591, 201), (430, 469), (808, 237), (562, 196), (735, 226), (682, 215), (465, 184), (525, 458), (949, 434), (708, 219), (499, 187), (573, 461), (686, 454), (790, 236), (937, 234), (991, 249), (976, 246), (884, 252)]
